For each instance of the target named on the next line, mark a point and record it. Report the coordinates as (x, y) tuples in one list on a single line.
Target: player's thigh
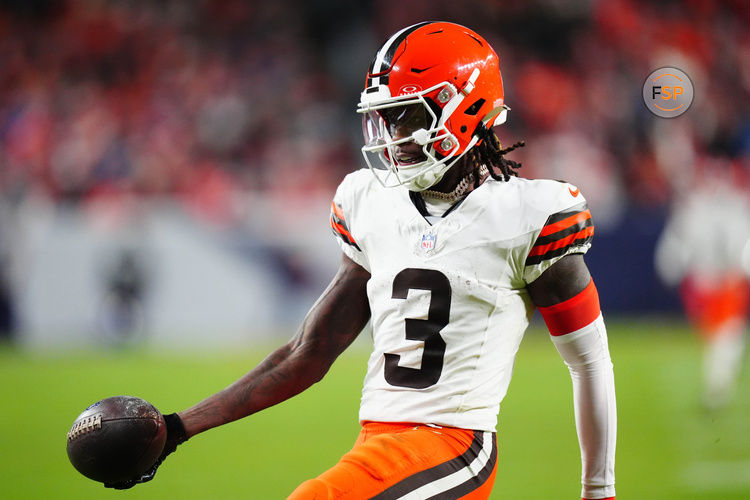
[(454, 463)]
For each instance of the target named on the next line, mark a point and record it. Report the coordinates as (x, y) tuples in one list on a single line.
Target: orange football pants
[(710, 306), (391, 460)]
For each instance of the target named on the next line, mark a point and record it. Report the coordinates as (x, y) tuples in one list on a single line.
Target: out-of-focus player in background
[(446, 252), (705, 250)]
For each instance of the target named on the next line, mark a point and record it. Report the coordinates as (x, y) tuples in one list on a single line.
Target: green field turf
[(668, 448)]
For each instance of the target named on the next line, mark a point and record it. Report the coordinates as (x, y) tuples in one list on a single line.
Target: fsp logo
[(668, 92)]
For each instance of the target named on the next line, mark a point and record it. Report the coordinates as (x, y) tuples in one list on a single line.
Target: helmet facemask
[(419, 118)]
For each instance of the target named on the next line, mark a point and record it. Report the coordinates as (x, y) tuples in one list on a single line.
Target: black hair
[(489, 152)]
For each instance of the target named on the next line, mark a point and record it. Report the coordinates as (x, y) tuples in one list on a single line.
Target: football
[(116, 439)]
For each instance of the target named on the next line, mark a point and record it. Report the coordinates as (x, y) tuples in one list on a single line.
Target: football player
[(710, 264), (447, 253)]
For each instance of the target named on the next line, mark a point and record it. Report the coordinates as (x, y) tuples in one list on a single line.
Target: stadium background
[(165, 175)]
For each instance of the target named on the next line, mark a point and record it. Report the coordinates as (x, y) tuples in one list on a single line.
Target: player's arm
[(330, 326), (566, 297)]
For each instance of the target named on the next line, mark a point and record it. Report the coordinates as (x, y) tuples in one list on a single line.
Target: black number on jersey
[(427, 330)]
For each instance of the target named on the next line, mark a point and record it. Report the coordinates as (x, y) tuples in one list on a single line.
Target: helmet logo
[(409, 89)]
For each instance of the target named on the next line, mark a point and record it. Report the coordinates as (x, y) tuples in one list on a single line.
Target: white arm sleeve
[(586, 353)]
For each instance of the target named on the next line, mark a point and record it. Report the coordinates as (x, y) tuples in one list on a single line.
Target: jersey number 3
[(426, 330)]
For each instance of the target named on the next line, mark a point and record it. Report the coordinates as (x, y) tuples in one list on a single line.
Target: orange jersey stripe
[(565, 223), (582, 234), (338, 224), (337, 211), (341, 230)]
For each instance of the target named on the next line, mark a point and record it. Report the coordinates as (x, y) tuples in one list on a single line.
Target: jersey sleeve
[(342, 211), (567, 230)]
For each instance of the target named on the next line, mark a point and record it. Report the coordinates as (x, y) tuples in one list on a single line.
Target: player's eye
[(405, 119)]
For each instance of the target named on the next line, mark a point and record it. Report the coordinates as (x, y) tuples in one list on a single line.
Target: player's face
[(402, 121)]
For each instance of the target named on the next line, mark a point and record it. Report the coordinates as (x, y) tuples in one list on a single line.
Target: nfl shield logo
[(428, 242)]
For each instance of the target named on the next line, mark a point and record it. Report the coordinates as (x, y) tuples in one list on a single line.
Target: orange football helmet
[(434, 82)]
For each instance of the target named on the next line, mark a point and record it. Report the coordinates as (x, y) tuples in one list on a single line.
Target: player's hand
[(176, 435)]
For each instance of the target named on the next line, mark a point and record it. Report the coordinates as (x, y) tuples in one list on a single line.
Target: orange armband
[(572, 314)]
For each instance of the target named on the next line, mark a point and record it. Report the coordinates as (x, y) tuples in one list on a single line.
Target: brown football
[(116, 439)]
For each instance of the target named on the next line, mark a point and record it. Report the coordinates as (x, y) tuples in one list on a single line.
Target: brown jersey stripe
[(341, 230), (536, 259), (563, 220), (339, 227), (583, 234), (562, 231), (557, 236), (336, 210)]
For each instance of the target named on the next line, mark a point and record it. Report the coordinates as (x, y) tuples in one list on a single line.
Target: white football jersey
[(694, 244), (449, 302)]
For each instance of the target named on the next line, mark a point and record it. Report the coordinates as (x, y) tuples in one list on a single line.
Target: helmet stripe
[(384, 57)]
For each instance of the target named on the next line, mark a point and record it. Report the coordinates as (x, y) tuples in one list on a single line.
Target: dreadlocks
[(490, 153), (486, 159)]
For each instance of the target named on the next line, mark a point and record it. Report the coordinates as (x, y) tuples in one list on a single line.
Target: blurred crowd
[(215, 102), (193, 99), (209, 100)]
